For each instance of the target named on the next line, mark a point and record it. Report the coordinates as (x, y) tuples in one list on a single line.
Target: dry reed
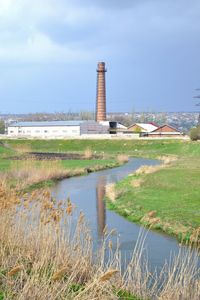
[(108, 275), (122, 158), (88, 154), (148, 169), (15, 270), (22, 148), (29, 172), (54, 259), (111, 192), (168, 159)]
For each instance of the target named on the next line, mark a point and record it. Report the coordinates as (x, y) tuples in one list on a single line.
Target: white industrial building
[(62, 129), (56, 129), (45, 129)]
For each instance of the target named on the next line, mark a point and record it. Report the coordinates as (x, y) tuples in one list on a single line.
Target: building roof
[(166, 125), (45, 123), (148, 127)]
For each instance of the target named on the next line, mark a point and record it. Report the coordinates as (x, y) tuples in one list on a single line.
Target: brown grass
[(108, 275), (22, 148), (44, 253), (88, 154), (148, 169), (111, 192), (168, 159), (136, 183), (28, 172), (15, 270), (122, 158)]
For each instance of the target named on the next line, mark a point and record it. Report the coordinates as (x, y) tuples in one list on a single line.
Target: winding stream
[(87, 192)]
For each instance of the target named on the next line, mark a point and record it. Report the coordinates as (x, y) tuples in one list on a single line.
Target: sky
[(49, 50)]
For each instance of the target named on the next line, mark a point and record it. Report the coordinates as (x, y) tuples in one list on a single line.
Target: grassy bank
[(165, 198), (32, 173)]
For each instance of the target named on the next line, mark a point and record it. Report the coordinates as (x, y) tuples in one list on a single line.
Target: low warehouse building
[(57, 129), (45, 129)]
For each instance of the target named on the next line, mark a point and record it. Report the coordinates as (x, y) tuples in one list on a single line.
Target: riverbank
[(22, 170), (164, 198)]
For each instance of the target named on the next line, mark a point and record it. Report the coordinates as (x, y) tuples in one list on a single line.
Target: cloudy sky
[(49, 50)]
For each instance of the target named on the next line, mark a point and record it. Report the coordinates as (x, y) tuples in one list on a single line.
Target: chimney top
[(101, 67)]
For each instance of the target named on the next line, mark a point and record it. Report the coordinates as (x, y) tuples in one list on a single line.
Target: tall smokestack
[(101, 93)]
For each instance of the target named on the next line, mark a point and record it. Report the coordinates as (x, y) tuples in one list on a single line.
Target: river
[(87, 193)]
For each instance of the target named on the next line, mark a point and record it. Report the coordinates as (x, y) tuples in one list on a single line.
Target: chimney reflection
[(100, 204)]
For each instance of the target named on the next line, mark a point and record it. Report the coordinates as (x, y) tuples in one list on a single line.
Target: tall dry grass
[(46, 252), (148, 169), (88, 153), (30, 172), (168, 159), (111, 192), (22, 148), (122, 158)]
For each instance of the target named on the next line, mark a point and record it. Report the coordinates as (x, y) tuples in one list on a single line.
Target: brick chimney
[(101, 93)]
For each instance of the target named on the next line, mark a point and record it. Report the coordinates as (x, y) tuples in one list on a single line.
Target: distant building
[(114, 127), (62, 129), (165, 131), (142, 127), (45, 129)]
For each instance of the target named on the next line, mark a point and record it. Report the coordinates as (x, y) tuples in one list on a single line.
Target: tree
[(2, 127), (195, 134), (198, 104)]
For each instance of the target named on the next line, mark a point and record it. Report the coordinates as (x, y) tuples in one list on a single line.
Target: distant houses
[(142, 127), (165, 131), (154, 131)]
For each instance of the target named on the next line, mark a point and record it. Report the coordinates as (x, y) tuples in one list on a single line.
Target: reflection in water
[(87, 193), (100, 204)]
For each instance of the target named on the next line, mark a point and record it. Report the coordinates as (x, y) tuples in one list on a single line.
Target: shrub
[(195, 134), (88, 153)]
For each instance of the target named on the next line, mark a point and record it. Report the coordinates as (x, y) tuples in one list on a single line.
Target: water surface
[(88, 192)]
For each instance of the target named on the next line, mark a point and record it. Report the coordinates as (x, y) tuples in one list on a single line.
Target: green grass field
[(7, 152), (148, 148)]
